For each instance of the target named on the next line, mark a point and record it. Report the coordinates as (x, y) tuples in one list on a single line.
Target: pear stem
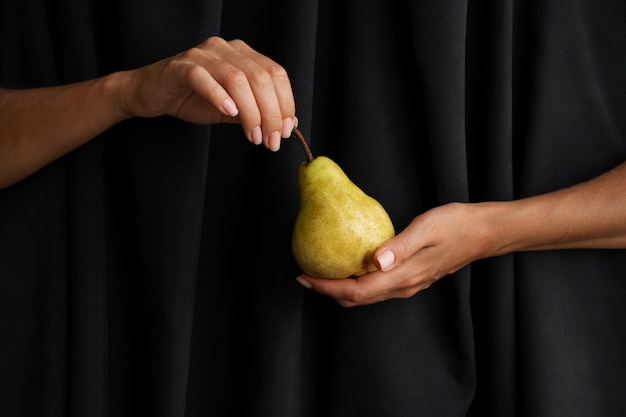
[(305, 146)]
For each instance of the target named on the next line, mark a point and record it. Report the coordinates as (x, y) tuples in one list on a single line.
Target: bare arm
[(38, 126), (589, 215), (447, 238), (215, 82)]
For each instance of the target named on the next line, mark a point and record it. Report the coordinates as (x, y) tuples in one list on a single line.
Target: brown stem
[(305, 146)]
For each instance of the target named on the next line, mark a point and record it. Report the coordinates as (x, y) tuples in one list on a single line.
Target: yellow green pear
[(338, 226)]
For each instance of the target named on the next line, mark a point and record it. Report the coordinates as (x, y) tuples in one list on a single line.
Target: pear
[(338, 226)]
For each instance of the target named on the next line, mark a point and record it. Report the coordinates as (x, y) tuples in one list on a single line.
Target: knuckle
[(191, 54), (213, 42), (358, 297), (184, 67), (238, 44), (277, 71), (260, 77), (406, 248), (173, 64), (272, 121), (406, 293), (235, 78), (193, 71)]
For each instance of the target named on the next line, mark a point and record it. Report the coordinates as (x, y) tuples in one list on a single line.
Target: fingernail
[(385, 260), (229, 107), (274, 141), (304, 282), (287, 127), (257, 135), (295, 122)]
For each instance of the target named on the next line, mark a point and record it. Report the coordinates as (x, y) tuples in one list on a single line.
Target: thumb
[(384, 259), (402, 246), (391, 253)]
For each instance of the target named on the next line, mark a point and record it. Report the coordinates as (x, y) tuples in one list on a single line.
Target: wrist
[(497, 227), (116, 87)]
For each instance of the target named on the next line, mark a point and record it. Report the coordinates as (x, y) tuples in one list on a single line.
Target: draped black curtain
[(149, 272)]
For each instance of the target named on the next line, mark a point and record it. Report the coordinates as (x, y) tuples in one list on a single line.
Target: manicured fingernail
[(257, 135), (385, 260), (287, 127), (304, 282), (229, 107), (274, 141)]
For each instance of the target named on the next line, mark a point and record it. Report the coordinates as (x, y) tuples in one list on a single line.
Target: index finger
[(281, 82)]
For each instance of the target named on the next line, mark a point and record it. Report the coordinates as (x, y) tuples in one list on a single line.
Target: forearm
[(37, 126), (588, 215)]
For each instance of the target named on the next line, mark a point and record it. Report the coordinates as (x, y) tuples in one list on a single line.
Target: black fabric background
[(149, 272)]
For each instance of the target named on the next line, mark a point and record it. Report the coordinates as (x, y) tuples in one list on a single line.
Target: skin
[(447, 238), (217, 81), (223, 81)]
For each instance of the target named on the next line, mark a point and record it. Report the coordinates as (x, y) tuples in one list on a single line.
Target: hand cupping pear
[(338, 227)]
